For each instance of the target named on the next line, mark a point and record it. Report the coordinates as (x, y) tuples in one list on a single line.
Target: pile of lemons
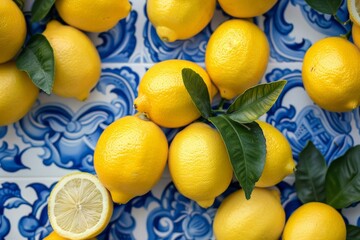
[(77, 62), (133, 151)]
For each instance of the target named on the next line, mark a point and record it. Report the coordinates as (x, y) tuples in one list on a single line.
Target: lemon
[(12, 30), (17, 95), (199, 163), (260, 218), (236, 56), (179, 20), (77, 62), (79, 206), (93, 16), (130, 157), (246, 8), (279, 162), (354, 10), (54, 236), (330, 74), (355, 32), (163, 97), (315, 220)]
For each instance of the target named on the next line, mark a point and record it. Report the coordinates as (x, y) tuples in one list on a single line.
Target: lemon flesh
[(79, 206)]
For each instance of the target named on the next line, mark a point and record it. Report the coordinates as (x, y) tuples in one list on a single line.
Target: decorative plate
[(58, 135)]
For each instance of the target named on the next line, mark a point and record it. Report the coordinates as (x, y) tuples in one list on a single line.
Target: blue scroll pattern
[(68, 137), (330, 132), (284, 47)]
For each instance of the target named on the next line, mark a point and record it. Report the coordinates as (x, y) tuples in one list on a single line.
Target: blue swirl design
[(10, 197), (177, 217), (118, 44), (192, 49), (283, 44), (68, 138), (37, 224), (10, 158), (289, 199), (330, 132), (3, 131)]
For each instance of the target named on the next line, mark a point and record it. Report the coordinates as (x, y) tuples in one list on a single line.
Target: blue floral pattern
[(60, 134)]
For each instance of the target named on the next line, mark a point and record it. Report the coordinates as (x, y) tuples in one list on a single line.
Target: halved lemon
[(79, 206), (354, 10)]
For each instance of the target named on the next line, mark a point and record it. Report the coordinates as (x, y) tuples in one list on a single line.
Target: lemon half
[(79, 206)]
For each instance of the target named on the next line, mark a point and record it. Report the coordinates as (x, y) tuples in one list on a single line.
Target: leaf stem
[(336, 17), (221, 104)]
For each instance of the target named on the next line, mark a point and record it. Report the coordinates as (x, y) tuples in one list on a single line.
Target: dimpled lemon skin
[(315, 220), (163, 97), (260, 218), (54, 236), (279, 162), (17, 95), (246, 8), (356, 34), (179, 20), (93, 16), (199, 164), (12, 30), (331, 75), (77, 62), (130, 157), (236, 57)]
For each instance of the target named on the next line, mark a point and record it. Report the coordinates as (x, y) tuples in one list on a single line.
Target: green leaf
[(198, 91), (325, 6), (37, 60), (40, 9), (310, 175), (246, 147), (352, 232), (20, 3), (255, 101), (343, 179)]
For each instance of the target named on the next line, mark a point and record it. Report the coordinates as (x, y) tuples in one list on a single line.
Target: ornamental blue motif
[(118, 44), (68, 137), (284, 47), (330, 132)]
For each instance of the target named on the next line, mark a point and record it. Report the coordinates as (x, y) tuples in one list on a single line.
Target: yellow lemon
[(179, 20), (199, 163), (236, 56), (315, 220), (79, 206), (331, 75), (77, 62), (246, 8), (354, 10), (163, 97), (12, 30), (93, 16), (130, 157), (279, 162), (260, 218), (54, 236), (355, 32), (17, 95)]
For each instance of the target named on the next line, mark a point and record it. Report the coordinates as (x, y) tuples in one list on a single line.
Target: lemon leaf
[(325, 6), (352, 232), (37, 60), (198, 91), (310, 175), (342, 182), (40, 9), (255, 101), (245, 144)]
